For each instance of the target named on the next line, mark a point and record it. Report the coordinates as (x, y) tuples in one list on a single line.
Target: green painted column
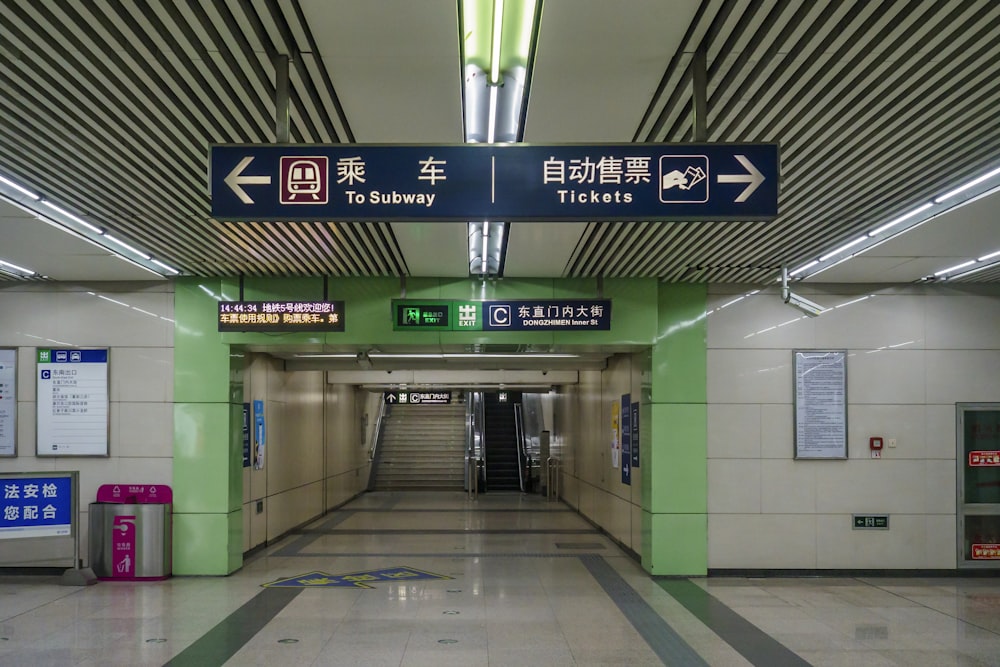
[(208, 477), (674, 480)]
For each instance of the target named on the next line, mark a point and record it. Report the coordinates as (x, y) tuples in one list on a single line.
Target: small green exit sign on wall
[(871, 521)]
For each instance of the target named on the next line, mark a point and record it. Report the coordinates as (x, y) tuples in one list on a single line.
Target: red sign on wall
[(986, 552), (984, 458)]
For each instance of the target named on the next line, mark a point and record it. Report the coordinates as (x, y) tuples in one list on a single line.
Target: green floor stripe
[(669, 646), (223, 641), (750, 641)]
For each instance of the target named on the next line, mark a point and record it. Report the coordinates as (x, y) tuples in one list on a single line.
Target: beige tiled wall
[(135, 322), (315, 458), (582, 440), (913, 352)]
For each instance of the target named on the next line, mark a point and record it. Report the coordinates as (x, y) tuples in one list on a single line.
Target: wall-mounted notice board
[(820, 410), (8, 402), (72, 402)]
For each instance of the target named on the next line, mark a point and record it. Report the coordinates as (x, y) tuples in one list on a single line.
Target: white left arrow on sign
[(235, 179), (753, 178)]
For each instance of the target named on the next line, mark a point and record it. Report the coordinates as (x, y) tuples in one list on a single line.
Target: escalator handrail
[(519, 439), (376, 439)]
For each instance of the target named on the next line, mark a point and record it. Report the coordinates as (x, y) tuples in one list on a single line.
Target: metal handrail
[(383, 412), (478, 428), (473, 472), (553, 468), (519, 440)]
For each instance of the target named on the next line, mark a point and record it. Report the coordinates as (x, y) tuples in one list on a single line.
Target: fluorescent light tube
[(127, 247), (165, 266), (19, 188), (17, 268), (804, 268), (976, 270), (496, 41), (327, 356), (989, 256), (834, 253), (962, 188), (955, 268), (902, 218), (76, 219)]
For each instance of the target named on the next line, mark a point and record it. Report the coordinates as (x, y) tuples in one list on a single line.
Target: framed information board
[(8, 402), (820, 409), (72, 402)]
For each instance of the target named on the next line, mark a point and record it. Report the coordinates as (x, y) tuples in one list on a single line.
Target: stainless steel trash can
[(131, 541)]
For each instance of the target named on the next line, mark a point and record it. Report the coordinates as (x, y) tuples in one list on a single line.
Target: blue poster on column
[(635, 435), (246, 435), (626, 421), (260, 434)]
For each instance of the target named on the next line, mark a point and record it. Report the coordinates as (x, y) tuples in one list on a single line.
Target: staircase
[(423, 447), (501, 443)]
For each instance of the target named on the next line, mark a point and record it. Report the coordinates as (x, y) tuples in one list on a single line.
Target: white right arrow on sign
[(753, 178)]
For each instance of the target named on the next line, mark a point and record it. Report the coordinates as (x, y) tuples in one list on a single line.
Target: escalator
[(501, 441)]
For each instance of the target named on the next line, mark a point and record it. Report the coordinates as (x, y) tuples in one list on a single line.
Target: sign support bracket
[(281, 94), (699, 84)]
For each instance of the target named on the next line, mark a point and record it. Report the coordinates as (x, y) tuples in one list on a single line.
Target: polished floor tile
[(436, 579)]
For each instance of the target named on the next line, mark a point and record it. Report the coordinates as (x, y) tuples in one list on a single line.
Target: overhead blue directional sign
[(504, 182)]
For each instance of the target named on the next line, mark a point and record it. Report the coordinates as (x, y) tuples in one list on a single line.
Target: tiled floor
[(504, 580)]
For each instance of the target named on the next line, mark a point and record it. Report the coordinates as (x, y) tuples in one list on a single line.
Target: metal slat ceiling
[(109, 108), (875, 105)]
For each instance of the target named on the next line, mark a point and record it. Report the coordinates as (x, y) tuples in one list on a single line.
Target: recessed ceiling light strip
[(70, 223), (980, 186)]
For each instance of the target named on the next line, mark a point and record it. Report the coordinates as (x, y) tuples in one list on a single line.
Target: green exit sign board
[(529, 315), (429, 315), (871, 521)]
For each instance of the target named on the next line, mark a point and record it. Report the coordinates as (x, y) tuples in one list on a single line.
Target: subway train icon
[(304, 180)]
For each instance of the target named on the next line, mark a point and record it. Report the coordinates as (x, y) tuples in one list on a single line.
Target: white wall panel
[(913, 352), (788, 486), (734, 431), (766, 541), (749, 376), (939, 432), (886, 376), (940, 549), (905, 423), (761, 321), (141, 374), (880, 321), (870, 486), (902, 546), (776, 431), (734, 486), (963, 376), (963, 322), (141, 429)]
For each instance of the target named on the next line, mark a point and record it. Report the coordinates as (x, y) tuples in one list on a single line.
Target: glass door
[(979, 485)]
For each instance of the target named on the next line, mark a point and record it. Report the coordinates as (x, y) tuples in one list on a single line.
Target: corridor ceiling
[(108, 108)]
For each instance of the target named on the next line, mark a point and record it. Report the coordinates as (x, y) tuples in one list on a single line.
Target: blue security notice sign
[(507, 182), (36, 506)]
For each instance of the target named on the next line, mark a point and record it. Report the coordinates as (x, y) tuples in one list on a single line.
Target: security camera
[(810, 308)]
